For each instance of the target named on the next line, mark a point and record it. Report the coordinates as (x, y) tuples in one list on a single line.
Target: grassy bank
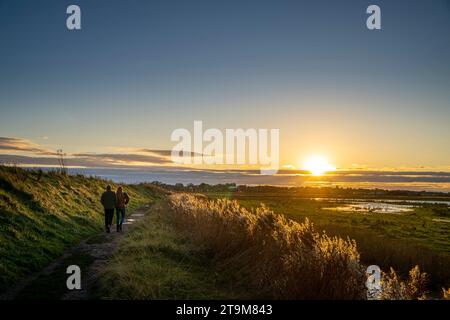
[(43, 213)]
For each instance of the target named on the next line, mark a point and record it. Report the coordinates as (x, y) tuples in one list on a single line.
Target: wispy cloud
[(22, 145), (122, 158), (168, 153), (25, 152), (116, 161)]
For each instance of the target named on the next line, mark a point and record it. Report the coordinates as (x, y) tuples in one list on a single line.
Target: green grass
[(417, 226), (388, 240), (44, 213), (154, 261)]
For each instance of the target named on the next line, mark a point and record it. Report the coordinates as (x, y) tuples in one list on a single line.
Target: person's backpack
[(126, 198)]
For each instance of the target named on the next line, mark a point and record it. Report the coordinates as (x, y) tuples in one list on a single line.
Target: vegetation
[(43, 213), (414, 288), (155, 261), (307, 192), (385, 239), (190, 247), (446, 294), (271, 256)]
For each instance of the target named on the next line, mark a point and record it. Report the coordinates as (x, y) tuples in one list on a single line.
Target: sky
[(137, 70)]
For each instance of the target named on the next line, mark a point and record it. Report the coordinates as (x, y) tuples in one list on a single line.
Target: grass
[(388, 240), (44, 213), (269, 255), (202, 249), (417, 226), (199, 249), (155, 261)]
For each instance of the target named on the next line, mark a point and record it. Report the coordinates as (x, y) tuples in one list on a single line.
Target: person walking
[(108, 201), (122, 200)]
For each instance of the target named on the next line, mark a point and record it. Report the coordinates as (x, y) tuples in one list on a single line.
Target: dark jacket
[(108, 199), (122, 200)]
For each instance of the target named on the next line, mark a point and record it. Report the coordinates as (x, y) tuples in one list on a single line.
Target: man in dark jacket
[(109, 203)]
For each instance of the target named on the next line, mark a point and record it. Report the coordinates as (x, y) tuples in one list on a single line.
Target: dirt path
[(90, 254)]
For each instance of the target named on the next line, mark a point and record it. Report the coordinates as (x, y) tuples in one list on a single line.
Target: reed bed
[(269, 254)]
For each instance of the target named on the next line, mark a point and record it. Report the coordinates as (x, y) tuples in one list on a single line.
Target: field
[(388, 239)]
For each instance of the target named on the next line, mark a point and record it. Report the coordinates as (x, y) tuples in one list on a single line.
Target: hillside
[(44, 213)]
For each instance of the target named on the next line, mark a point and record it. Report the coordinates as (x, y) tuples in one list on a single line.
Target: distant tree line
[(307, 192)]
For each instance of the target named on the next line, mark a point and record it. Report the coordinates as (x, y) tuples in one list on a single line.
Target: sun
[(317, 165)]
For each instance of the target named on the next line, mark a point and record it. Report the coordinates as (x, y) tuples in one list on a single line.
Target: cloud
[(121, 158), (168, 153), (22, 145), (24, 152), (168, 172), (118, 161), (28, 161)]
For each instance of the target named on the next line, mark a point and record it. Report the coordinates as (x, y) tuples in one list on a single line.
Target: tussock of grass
[(43, 213), (414, 288)]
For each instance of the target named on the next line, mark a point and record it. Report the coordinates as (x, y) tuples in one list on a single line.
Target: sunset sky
[(140, 69)]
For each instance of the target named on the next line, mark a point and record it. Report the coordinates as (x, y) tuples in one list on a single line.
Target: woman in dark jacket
[(122, 200)]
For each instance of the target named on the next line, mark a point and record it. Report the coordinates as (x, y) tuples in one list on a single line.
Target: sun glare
[(317, 165)]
